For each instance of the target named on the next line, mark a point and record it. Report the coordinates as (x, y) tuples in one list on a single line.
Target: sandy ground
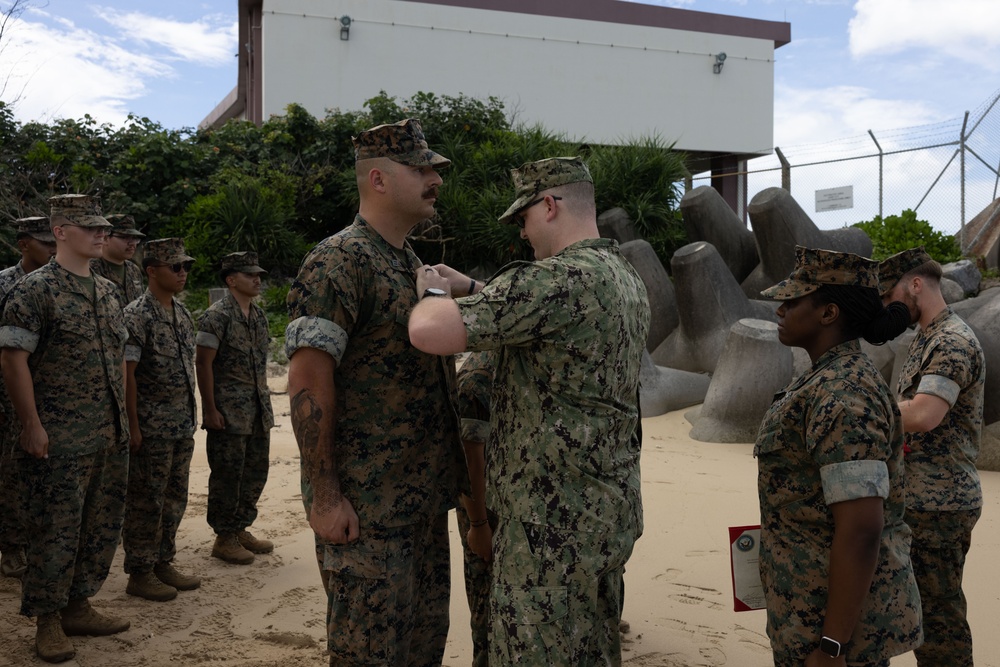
[(678, 591)]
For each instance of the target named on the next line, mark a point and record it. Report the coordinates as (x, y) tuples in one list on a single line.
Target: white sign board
[(835, 199)]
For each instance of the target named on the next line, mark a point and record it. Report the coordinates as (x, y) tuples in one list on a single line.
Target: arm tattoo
[(319, 464)]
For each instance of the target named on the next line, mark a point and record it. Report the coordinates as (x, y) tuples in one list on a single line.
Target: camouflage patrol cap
[(168, 251), (36, 227), (124, 225), (534, 177), (241, 262), (891, 269), (401, 142), (79, 210), (815, 268)]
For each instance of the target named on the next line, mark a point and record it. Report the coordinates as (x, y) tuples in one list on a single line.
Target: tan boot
[(229, 549), (252, 544), (168, 574), (51, 642), (79, 618), (13, 563), (147, 585)]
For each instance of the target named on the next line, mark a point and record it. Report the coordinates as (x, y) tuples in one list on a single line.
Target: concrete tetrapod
[(664, 390), (709, 302), (779, 224), (707, 217), (659, 290), (753, 366)]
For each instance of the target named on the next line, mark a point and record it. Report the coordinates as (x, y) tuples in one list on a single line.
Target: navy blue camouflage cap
[(401, 142), (241, 262), (168, 251), (124, 225), (815, 268), (37, 227), (78, 210), (534, 177), (891, 269)]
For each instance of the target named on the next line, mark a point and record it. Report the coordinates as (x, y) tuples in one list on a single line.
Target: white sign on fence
[(835, 199)]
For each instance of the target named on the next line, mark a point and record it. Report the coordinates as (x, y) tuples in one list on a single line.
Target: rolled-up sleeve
[(851, 480), (315, 332)]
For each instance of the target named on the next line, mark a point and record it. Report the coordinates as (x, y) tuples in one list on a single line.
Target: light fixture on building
[(720, 58), (345, 28)]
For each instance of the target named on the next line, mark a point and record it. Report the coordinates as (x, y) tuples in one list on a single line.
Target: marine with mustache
[(374, 417)]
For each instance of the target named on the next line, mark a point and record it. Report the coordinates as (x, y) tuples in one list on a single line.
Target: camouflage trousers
[(388, 596), (239, 466), (156, 501), (477, 589), (940, 543), (556, 596), (73, 509), (12, 535)]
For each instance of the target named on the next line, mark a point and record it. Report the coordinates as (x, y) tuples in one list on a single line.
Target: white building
[(600, 71)]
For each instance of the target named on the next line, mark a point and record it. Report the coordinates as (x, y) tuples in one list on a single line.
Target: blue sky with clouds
[(852, 65)]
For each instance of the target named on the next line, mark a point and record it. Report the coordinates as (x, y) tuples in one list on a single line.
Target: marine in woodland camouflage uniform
[(475, 387), (238, 453), (37, 245), (395, 435), (160, 358), (126, 276), (832, 435), (944, 499), (72, 330), (563, 458)]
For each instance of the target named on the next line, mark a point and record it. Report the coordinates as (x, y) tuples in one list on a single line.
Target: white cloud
[(209, 41), (811, 116), (54, 68), (965, 29), (61, 71)]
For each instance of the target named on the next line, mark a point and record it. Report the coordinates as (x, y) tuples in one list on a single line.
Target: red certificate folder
[(744, 558)]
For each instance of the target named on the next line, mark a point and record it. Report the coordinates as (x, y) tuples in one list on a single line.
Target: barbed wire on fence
[(947, 171)]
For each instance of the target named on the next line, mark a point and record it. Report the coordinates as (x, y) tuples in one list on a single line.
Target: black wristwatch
[(831, 647), (433, 291)]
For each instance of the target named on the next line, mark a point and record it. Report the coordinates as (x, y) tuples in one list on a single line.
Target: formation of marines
[(99, 415), (536, 441)]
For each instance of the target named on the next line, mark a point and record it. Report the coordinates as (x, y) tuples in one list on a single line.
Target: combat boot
[(79, 618), (51, 642), (147, 585), (229, 549), (252, 544), (168, 574), (13, 563)]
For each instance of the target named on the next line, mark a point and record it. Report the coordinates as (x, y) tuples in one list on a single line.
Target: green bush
[(900, 232), (242, 213)]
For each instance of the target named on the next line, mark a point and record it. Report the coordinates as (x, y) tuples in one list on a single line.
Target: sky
[(852, 65)]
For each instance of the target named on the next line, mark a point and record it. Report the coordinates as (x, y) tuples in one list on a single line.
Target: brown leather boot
[(79, 618), (147, 585), (252, 544), (168, 574), (51, 642), (229, 549)]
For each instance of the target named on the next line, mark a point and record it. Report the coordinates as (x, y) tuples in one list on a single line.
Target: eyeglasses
[(519, 216), (128, 238), (176, 267)]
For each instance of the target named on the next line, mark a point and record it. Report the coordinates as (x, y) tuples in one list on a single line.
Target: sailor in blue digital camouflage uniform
[(834, 550), (63, 355), (37, 245), (374, 417), (562, 463), (940, 392)]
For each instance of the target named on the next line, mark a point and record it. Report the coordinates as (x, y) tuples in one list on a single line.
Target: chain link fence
[(947, 172)]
